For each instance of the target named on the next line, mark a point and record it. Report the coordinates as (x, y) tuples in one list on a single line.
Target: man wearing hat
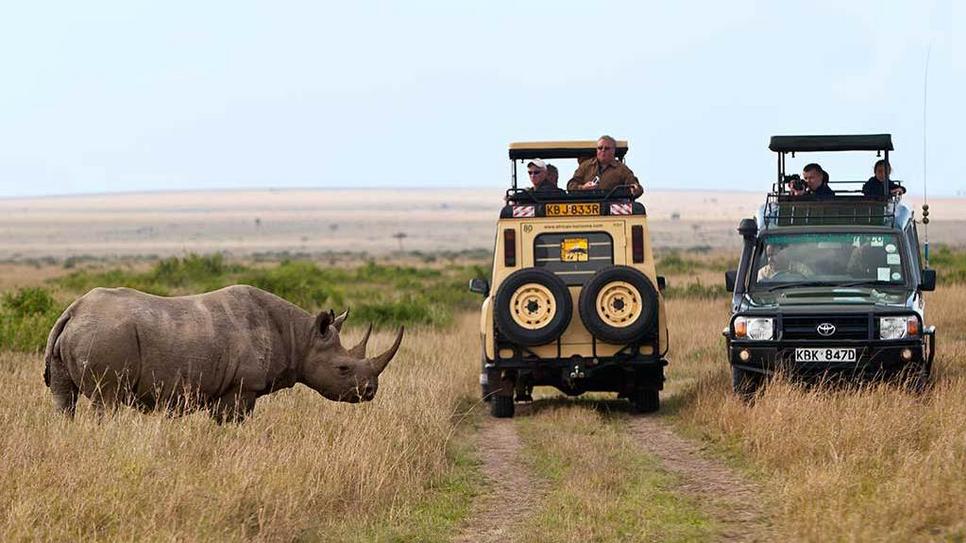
[(539, 175)]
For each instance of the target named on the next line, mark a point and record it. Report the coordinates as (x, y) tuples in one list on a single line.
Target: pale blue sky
[(124, 96)]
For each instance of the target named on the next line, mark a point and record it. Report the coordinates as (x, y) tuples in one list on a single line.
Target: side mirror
[(661, 283), (928, 282), (480, 286), (731, 277)]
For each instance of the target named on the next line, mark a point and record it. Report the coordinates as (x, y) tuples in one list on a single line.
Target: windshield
[(783, 260)]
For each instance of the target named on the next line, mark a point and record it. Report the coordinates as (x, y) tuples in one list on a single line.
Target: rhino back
[(158, 346)]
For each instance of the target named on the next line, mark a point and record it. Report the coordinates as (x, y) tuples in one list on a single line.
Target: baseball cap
[(539, 164)]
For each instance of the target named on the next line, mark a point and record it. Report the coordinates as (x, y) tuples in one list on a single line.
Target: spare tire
[(533, 307), (619, 305)]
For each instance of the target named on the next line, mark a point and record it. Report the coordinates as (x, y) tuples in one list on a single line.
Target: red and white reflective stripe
[(620, 209), (524, 211)]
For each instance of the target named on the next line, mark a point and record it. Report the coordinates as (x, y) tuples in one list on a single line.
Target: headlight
[(754, 328), (898, 327)]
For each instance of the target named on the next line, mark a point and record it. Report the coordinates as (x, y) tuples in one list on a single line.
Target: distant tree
[(399, 237)]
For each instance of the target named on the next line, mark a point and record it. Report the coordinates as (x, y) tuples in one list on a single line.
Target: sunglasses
[(603, 147), (534, 172)]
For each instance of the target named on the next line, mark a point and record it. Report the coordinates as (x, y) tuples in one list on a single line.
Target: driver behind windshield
[(777, 263), (604, 172)]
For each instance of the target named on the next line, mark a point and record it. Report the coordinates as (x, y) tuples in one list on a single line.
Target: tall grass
[(301, 468), (883, 463)]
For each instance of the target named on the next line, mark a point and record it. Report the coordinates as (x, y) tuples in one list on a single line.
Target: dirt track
[(512, 492), (725, 495)]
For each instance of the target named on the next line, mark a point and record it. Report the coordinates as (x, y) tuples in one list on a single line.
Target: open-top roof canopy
[(525, 150), (854, 142)]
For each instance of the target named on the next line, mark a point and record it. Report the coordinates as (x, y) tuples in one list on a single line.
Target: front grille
[(547, 250), (806, 327)]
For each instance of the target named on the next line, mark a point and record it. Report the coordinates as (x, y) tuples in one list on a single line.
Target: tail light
[(637, 243), (509, 247)]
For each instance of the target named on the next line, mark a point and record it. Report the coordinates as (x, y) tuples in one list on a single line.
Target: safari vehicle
[(575, 302), (830, 288)]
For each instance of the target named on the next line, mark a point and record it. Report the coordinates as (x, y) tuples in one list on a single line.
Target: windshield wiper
[(871, 282), (798, 284)]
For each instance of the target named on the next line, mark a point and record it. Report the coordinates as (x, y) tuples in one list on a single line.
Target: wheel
[(619, 305), (646, 400), (745, 383), (533, 307), (501, 407)]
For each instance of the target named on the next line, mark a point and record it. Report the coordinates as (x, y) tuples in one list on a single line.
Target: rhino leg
[(62, 388), (234, 406)]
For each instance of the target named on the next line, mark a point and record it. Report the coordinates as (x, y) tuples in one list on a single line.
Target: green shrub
[(696, 290), (28, 301), (393, 313), (26, 317)]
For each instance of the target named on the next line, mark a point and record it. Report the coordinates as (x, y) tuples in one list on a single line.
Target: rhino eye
[(344, 370)]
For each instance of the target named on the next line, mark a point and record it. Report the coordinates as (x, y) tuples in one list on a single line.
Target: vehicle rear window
[(574, 257)]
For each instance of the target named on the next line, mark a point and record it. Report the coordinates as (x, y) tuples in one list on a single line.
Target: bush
[(26, 318), (28, 301)]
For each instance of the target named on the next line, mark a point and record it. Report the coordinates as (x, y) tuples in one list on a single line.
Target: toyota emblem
[(825, 329)]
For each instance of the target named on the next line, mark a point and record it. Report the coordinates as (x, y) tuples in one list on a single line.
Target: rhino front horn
[(359, 351), (381, 361)]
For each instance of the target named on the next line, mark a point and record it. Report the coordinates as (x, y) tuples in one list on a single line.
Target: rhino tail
[(51, 351)]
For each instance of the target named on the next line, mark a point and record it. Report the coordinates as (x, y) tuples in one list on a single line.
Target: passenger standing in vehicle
[(815, 183), (540, 177), (873, 187), (605, 172)]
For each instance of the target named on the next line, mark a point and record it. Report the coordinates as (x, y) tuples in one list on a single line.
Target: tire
[(533, 307), (501, 407), (619, 305), (745, 383), (646, 400)]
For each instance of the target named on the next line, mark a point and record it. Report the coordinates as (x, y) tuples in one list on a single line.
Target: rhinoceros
[(220, 351)]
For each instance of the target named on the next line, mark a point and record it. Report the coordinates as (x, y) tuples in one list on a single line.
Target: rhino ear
[(323, 321), (337, 323)]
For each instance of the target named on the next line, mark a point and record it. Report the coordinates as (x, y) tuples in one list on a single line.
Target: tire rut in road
[(730, 499), (512, 492)]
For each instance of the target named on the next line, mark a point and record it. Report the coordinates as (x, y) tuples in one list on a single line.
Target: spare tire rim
[(532, 306), (619, 304)]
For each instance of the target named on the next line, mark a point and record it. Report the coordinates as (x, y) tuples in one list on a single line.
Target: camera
[(795, 181)]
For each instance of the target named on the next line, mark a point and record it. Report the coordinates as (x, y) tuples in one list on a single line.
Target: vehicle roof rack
[(847, 210), (854, 142), (524, 150)]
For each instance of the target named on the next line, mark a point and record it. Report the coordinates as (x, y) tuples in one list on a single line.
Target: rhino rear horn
[(337, 323), (359, 351), (380, 362)]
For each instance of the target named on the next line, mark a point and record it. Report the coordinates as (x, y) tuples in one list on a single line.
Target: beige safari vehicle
[(575, 302)]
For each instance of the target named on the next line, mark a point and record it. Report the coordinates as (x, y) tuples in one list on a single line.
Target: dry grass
[(302, 467), (873, 464), (603, 488)]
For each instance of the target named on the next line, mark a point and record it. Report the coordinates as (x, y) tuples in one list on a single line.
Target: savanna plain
[(424, 462)]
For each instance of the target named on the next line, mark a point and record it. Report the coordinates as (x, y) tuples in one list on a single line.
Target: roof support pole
[(885, 184)]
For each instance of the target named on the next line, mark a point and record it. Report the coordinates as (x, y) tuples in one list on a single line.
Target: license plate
[(572, 210), (825, 355), (574, 250)]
